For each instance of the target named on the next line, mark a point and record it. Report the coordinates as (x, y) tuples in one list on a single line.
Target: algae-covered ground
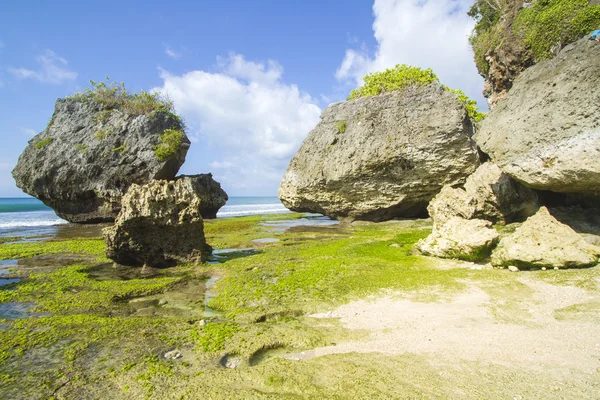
[(325, 311)]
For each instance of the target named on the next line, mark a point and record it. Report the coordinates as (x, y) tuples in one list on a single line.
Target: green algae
[(92, 247)]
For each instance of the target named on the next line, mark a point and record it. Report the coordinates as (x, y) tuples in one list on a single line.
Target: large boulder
[(546, 133), (488, 194), (542, 241), (89, 155), (159, 225), (470, 240), (380, 157), (212, 197)]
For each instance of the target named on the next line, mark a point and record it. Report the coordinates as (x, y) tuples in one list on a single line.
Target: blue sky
[(249, 77)]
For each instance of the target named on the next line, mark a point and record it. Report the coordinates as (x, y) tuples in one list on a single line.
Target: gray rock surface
[(159, 225), (546, 132), (470, 240), (381, 157), (488, 194), (87, 158), (212, 197), (542, 241)]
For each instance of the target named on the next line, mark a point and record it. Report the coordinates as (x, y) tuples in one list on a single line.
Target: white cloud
[(172, 53), (28, 132), (425, 33), (53, 69), (253, 120)]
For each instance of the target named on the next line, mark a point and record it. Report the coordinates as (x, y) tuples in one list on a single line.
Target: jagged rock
[(88, 156), (586, 222), (470, 240), (376, 158), (159, 225), (546, 133), (488, 194), (212, 197), (542, 241)]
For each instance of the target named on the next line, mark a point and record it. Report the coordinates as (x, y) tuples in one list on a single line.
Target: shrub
[(171, 140), (112, 95), (341, 126), (403, 76), (43, 143)]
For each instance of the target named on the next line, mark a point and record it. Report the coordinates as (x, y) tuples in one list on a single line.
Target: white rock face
[(381, 157), (546, 133), (471, 240), (487, 194), (542, 241), (159, 225)]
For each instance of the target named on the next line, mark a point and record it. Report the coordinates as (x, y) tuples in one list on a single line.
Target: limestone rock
[(88, 156), (546, 133), (159, 225), (488, 194), (212, 197), (377, 158), (470, 240), (542, 241)]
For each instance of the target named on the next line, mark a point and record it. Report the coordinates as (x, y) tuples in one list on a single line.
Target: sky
[(250, 77)]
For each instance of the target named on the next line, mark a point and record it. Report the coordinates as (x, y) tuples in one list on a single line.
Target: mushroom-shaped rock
[(542, 241), (381, 157), (91, 153), (212, 197), (159, 225)]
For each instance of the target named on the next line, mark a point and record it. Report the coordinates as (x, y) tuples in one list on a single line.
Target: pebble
[(543, 268), (173, 355), (556, 268), (394, 245), (512, 268), (201, 322), (162, 302)]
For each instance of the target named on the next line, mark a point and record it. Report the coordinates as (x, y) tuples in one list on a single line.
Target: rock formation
[(380, 157), (159, 225), (89, 155), (546, 133), (488, 194), (460, 238), (542, 241), (212, 197)]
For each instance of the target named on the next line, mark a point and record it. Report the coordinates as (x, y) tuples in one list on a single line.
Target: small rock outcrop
[(159, 225), (488, 194), (470, 240), (212, 197), (542, 241), (90, 154), (546, 133), (381, 157)]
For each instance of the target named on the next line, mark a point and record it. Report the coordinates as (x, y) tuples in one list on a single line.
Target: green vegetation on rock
[(171, 140), (43, 143), (341, 126), (112, 95), (401, 77)]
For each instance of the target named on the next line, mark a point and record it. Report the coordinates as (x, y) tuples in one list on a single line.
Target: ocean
[(29, 216)]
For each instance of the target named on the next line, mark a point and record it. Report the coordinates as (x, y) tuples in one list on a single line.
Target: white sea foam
[(27, 224), (251, 209)]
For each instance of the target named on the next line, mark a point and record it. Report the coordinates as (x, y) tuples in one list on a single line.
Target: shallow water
[(282, 226), (265, 240), (16, 310)]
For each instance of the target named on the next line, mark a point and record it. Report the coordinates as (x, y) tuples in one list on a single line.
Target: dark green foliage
[(43, 143)]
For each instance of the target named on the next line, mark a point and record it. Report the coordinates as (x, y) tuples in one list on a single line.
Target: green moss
[(551, 22), (212, 337), (121, 149), (404, 76), (171, 140), (341, 126), (43, 143), (94, 247), (81, 148)]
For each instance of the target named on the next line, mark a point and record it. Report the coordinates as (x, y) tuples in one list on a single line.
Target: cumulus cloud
[(425, 33), (52, 69), (253, 119)]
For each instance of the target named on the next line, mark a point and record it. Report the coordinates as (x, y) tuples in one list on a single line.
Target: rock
[(212, 197), (173, 355), (470, 240), (542, 241), (586, 222), (159, 225), (488, 194), (88, 156), (512, 268), (381, 157), (546, 133)]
